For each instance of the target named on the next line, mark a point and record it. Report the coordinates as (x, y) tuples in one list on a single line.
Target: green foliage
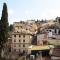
[(11, 27), (4, 26)]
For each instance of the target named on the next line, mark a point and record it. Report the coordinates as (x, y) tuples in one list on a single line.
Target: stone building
[(42, 38), (20, 42)]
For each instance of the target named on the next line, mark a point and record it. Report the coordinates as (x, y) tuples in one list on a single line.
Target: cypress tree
[(11, 28), (4, 26)]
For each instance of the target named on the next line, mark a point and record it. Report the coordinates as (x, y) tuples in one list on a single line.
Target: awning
[(40, 47)]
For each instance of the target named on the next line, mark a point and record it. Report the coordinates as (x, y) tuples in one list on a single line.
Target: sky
[(31, 9)]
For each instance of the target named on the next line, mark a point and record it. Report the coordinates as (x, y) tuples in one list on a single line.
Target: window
[(23, 35), (59, 32), (14, 45), (14, 40), (15, 50), (59, 20), (21, 26), (23, 40), (26, 29), (19, 45), (18, 27), (50, 30), (23, 45), (19, 35), (23, 51), (44, 42), (14, 35), (19, 50), (19, 40), (55, 31)]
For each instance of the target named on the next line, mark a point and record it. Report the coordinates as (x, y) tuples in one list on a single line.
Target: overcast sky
[(31, 9)]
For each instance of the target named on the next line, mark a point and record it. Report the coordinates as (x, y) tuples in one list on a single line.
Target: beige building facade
[(20, 42)]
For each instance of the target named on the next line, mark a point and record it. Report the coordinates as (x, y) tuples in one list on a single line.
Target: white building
[(46, 34), (53, 32)]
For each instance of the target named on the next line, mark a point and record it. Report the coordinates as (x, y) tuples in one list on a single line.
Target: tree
[(3, 27), (11, 27)]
